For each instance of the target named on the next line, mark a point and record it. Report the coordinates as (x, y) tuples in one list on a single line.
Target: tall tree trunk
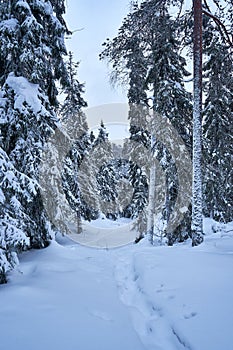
[(79, 223), (151, 201), (152, 183), (197, 220)]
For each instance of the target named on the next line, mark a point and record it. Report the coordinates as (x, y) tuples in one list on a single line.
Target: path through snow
[(65, 298), (136, 297), (148, 319)]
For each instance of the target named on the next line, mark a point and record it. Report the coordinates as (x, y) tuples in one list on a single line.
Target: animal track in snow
[(191, 315)]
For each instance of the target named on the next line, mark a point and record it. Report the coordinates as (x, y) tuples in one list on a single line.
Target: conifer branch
[(222, 28)]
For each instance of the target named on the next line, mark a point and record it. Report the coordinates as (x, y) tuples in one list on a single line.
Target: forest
[(151, 178)]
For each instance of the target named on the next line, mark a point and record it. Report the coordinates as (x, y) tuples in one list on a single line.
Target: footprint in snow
[(191, 315)]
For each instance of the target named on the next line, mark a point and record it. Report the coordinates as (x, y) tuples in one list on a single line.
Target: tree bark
[(151, 202), (197, 219)]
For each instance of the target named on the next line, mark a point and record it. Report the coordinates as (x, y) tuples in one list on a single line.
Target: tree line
[(149, 55)]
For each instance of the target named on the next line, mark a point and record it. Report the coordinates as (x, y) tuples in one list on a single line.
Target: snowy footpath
[(72, 297)]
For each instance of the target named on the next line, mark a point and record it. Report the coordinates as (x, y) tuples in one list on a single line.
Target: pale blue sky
[(99, 20)]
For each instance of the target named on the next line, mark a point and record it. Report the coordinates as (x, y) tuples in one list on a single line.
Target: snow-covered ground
[(75, 297), (104, 233)]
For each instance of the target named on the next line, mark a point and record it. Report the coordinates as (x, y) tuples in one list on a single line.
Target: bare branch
[(220, 25), (207, 6), (180, 10)]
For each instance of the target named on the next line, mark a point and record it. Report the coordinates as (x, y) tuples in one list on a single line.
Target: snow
[(2, 197), (70, 296), (9, 24), (23, 4), (25, 92), (105, 233)]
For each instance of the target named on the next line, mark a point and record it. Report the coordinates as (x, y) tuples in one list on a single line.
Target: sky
[(93, 22), (97, 20)]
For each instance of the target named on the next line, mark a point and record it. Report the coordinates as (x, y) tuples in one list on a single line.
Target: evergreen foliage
[(14, 222), (74, 101), (31, 56), (218, 116), (146, 54), (79, 176), (32, 44), (106, 177)]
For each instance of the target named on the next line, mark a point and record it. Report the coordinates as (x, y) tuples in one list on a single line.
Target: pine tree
[(197, 197)]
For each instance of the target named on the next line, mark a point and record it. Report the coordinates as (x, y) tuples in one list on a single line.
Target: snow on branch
[(223, 30)]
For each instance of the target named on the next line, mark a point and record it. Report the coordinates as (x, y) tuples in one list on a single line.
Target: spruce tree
[(31, 55), (125, 52), (218, 114), (102, 156), (15, 188), (75, 125), (146, 54), (136, 150), (26, 121), (74, 102)]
